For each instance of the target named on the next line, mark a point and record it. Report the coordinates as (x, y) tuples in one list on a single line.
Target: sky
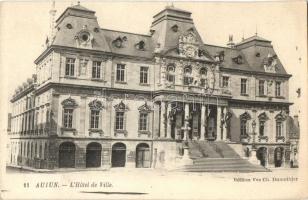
[(25, 25)]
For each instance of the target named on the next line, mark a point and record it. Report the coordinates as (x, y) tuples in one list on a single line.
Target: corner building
[(104, 98)]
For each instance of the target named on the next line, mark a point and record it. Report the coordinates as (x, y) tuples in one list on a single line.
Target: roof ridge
[(106, 29)]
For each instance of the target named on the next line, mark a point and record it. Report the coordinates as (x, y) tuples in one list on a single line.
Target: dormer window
[(175, 28), (69, 26), (238, 59), (140, 45), (96, 30), (118, 42), (84, 39), (258, 54)]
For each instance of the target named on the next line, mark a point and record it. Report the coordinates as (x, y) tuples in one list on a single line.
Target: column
[(186, 122), (202, 131), (162, 119), (224, 128), (218, 123), (156, 121), (168, 120)]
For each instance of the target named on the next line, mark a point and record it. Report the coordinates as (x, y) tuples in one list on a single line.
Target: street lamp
[(254, 134), (253, 157)]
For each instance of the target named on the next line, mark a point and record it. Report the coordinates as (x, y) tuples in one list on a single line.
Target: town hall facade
[(103, 98)]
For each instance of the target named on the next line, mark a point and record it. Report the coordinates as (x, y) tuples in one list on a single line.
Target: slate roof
[(129, 44), (165, 37)]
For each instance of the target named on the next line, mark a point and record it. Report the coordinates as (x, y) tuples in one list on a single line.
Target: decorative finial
[(172, 5), (243, 37), (256, 30), (78, 3)]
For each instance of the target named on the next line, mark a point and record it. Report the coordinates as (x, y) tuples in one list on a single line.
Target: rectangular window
[(144, 71), (261, 87), (202, 82), (120, 73), (170, 78), (261, 128), (119, 121), (188, 80), (68, 118), (96, 69), (94, 119), (225, 81), (143, 121), (243, 86), (69, 67), (278, 129), (278, 89), (243, 127)]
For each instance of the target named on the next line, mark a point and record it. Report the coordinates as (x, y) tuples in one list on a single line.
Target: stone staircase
[(217, 157)]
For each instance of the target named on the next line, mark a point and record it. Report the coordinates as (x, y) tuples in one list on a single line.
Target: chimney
[(230, 42)]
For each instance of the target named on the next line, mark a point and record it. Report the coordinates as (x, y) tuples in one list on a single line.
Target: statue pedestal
[(253, 157), (185, 159)]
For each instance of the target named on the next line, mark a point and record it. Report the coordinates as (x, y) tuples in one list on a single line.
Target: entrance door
[(278, 156), (67, 155), (118, 157), (93, 155), (143, 156), (262, 155)]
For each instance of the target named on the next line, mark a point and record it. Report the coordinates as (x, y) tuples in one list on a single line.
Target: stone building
[(105, 98)]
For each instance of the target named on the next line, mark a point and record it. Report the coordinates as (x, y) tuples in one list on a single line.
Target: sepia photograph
[(153, 100)]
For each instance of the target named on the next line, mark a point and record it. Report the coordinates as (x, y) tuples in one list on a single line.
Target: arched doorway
[(67, 155), (262, 156), (143, 156), (93, 155), (278, 157), (118, 157)]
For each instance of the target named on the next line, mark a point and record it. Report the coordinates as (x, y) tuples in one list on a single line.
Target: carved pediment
[(96, 105), (69, 103), (145, 108), (188, 45), (263, 117), (281, 116), (121, 107), (245, 116)]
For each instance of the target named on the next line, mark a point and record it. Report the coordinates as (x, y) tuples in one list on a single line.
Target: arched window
[(262, 123), (203, 76), (171, 74), (68, 112), (280, 118), (188, 79), (244, 118), (95, 114), (120, 118)]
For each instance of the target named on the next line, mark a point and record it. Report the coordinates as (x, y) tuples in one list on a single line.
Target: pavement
[(137, 183)]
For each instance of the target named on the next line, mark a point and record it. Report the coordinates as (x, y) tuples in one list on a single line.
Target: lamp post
[(254, 134), (253, 157)]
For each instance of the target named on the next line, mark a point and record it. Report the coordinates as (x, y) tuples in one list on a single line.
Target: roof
[(170, 24), (129, 43), (79, 7), (252, 38)]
